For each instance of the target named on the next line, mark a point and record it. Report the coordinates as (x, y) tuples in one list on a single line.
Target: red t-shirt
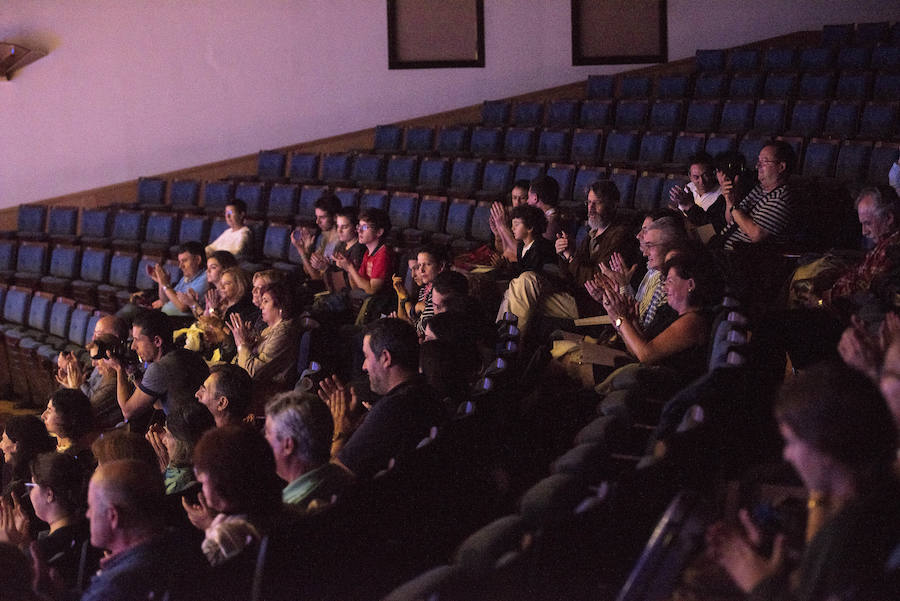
[(378, 265)]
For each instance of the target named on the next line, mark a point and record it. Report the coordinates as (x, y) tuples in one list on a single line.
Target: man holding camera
[(763, 215), (172, 376)]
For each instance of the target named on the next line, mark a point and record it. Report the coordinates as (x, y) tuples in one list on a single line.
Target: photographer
[(172, 376), (764, 214), (100, 386)]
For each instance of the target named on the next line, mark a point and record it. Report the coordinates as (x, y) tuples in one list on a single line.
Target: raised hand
[(342, 401), (562, 243), (737, 552), (341, 261), (13, 521), (239, 329), (154, 437), (200, 514)]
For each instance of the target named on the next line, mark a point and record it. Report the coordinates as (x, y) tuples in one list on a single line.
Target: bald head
[(110, 324)]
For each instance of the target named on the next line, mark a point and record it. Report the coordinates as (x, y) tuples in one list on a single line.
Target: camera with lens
[(116, 349), (732, 169)]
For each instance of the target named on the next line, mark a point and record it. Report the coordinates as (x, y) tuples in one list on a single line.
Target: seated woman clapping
[(692, 287)]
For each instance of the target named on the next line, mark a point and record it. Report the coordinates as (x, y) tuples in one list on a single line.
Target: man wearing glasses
[(764, 214)]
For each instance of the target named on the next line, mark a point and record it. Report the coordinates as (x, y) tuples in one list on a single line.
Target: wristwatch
[(617, 323)]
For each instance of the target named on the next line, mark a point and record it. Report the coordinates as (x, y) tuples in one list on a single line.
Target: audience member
[(504, 241), (337, 282), (227, 393), (175, 301), (404, 413), (316, 252), (174, 443), (216, 264), (24, 437), (260, 280), (609, 233), (519, 193), (123, 444), (450, 367), (272, 360), (842, 442), (236, 469), (172, 375), (543, 193), (701, 193), (299, 428), (237, 238), (70, 417), (764, 213), (430, 262), (126, 509), (378, 260), (446, 284), (691, 289)]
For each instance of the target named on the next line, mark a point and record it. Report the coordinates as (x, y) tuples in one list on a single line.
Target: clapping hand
[(240, 330), (737, 552), (200, 514), (342, 401), (155, 437), (341, 261), (617, 271), (13, 521)]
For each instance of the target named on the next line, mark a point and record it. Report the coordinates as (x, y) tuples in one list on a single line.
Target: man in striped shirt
[(764, 214)]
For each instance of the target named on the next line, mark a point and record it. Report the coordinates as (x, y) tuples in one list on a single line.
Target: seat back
[(737, 116), (459, 218), (702, 116), (403, 210), (528, 171), (216, 195), (718, 143), (853, 57), (453, 139), (769, 117), (687, 144), (621, 146), (667, 115), (62, 221), (631, 114), (854, 85), (283, 200), (709, 60), (853, 161), (816, 85), (32, 257), (743, 59), (31, 219), (880, 120), (349, 197), (673, 86), (497, 176), (887, 85), (885, 58), (816, 58), (746, 85), (374, 199), (255, 195), (16, 305), (432, 211), (8, 250), (368, 168), (434, 172), (388, 138), (710, 85), (151, 191), (95, 223), (596, 114), (635, 86), (601, 86), (184, 194), (820, 158), (648, 191), (553, 144), (495, 112), (466, 175), (884, 154), (123, 269), (95, 264), (528, 114), (480, 229), (564, 174), (161, 228), (837, 34), (336, 167), (401, 170), (519, 142), (419, 139), (486, 141), (276, 241), (59, 317), (65, 261), (270, 165), (781, 86), (142, 279), (750, 146), (842, 118), (129, 225), (780, 58), (625, 180), (304, 167), (193, 227), (563, 113), (656, 147), (808, 118), (78, 322), (587, 145)]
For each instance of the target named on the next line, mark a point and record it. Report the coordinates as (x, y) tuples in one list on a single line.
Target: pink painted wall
[(132, 87)]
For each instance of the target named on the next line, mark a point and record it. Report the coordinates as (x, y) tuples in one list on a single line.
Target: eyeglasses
[(31, 485), (650, 244), (766, 161), (362, 227)]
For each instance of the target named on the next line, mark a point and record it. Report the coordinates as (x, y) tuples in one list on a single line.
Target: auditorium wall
[(133, 87)]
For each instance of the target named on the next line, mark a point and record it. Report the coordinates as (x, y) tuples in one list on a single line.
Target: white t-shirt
[(237, 242), (705, 201)]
